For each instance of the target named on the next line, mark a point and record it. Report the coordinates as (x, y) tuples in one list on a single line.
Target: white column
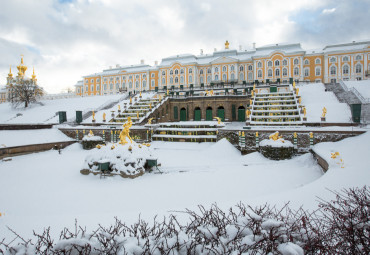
[(326, 67), (301, 61)]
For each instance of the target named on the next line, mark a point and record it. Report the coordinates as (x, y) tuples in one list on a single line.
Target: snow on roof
[(347, 46), (284, 47)]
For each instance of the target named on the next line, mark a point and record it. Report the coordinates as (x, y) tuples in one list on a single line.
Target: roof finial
[(22, 59), (226, 45), (33, 75), (10, 71)]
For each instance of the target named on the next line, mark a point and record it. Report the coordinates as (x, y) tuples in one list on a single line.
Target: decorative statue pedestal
[(304, 118), (90, 141), (323, 119), (276, 148)]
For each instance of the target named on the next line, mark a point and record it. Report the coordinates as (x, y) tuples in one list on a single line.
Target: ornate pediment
[(222, 60)]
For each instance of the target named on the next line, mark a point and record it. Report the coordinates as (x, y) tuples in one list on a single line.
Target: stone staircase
[(137, 110), (204, 131), (343, 96), (275, 108)]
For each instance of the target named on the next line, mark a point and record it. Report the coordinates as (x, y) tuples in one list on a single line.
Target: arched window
[(153, 83), (277, 72), (277, 62), (123, 85), (190, 79), (285, 72), (224, 69), (201, 79), (171, 72), (306, 72), (190, 70), (241, 68), (232, 76), (333, 60), (163, 81), (171, 80), (105, 86), (285, 62), (224, 77), (163, 73), (296, 61), (153, 75), (269, 73), (345, 59), (144, 83), (182, 71), (92, 87), (250, 76), (111, 86), (358, 68), (250, 68), (216, 77), (208, 79), (241, 77), (296, 71), (176, 80), (201, 71), (209, 70), (333, 70), (177, 71), (182, 80), (345, 69), (317, 61), (232, 68), (216, 70), (259, 73), (117, 86), (259, 64), (137, 84), (269, 63), (358, 57), (306, 62), (130, 84), (318, 71)]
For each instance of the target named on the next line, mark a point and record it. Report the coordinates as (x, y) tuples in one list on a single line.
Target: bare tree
[(23, 91)]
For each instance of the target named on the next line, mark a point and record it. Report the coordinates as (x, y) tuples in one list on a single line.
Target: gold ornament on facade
[(104, 115), (21, 68), (227, 45)]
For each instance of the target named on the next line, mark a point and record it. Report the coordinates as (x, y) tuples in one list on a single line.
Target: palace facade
[(278, 63)]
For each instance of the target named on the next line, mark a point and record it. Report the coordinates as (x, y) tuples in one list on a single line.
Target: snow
[(47, 113), (10, 138), (314, 98), (277, 143), (361, 86)]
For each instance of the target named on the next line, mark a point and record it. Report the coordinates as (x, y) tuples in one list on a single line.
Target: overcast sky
[(66, 39)]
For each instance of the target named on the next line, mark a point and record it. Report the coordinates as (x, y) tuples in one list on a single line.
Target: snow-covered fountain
[(125, 158), (276, 147)]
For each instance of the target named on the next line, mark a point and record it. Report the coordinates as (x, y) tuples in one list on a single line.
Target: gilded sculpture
[(275, 136), (125, 133), (324, 111)]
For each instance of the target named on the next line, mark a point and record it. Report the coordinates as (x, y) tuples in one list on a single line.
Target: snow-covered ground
[(47, 189), (314, 98), (47, 113), (9, 138), (361, 86)]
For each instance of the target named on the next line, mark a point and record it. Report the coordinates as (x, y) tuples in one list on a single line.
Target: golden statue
[(311, 135), (150, 121), (227, 45), (324, 111), (250, 101), (275, 136), (295, 134), (300, 100), (140, 94), (93, 115), (248, 112), (254, 86), (297, 90), (125, 133), (334, 155), (160, 98), (168, 92), (91, 133), (119, 107), (104, 115), (218, 120), (293, 84), (304, 111), (256, 134), (137, 115), (130, 100), (252, 93), (150, 106)]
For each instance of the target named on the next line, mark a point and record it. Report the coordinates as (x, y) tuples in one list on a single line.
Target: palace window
[(232, 68), (130, 77), (306, 62), (117, 86), (209, 70), (250, 77), (277, 62), (86, 81), (201, 71), (318, 71), (306, 72), (130, 84), (224, 77), (153, 84), (137, 84), (176, 80), (345, 59), (333, 60), (92, 87), (241, 76), (98, 80), (177, 71), (163, 81), (269, 63), (224, 69), (144, 76), (232, 76), (171, 72), (190, 79), (137, 77), (285, 72), (111, 86), (241, 68), (201, 79), (250, 68), (285, 62), (182, 80), (216, 77), (295, 61), (111, 79), (296, 71), (144, 83), (123, 85), (190, 70), (358, 57), (153, 75), (163, 73), (269, 73), (208, 79), (259, 73), (216, 70), (345, 69), (333, 70), (259, 65), (358, 68), (97, 87), (182, 71), (318, 61), (117, 78), (105, 79), (171, 80), (277, 72)]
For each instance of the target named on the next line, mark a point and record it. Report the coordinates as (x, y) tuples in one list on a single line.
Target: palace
[(277, 63)]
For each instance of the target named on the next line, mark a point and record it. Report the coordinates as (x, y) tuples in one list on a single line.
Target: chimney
[(254, 45), (156, 62), (201, 51), (240, 48), (142, 61), (117, 65), (215, 49)]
